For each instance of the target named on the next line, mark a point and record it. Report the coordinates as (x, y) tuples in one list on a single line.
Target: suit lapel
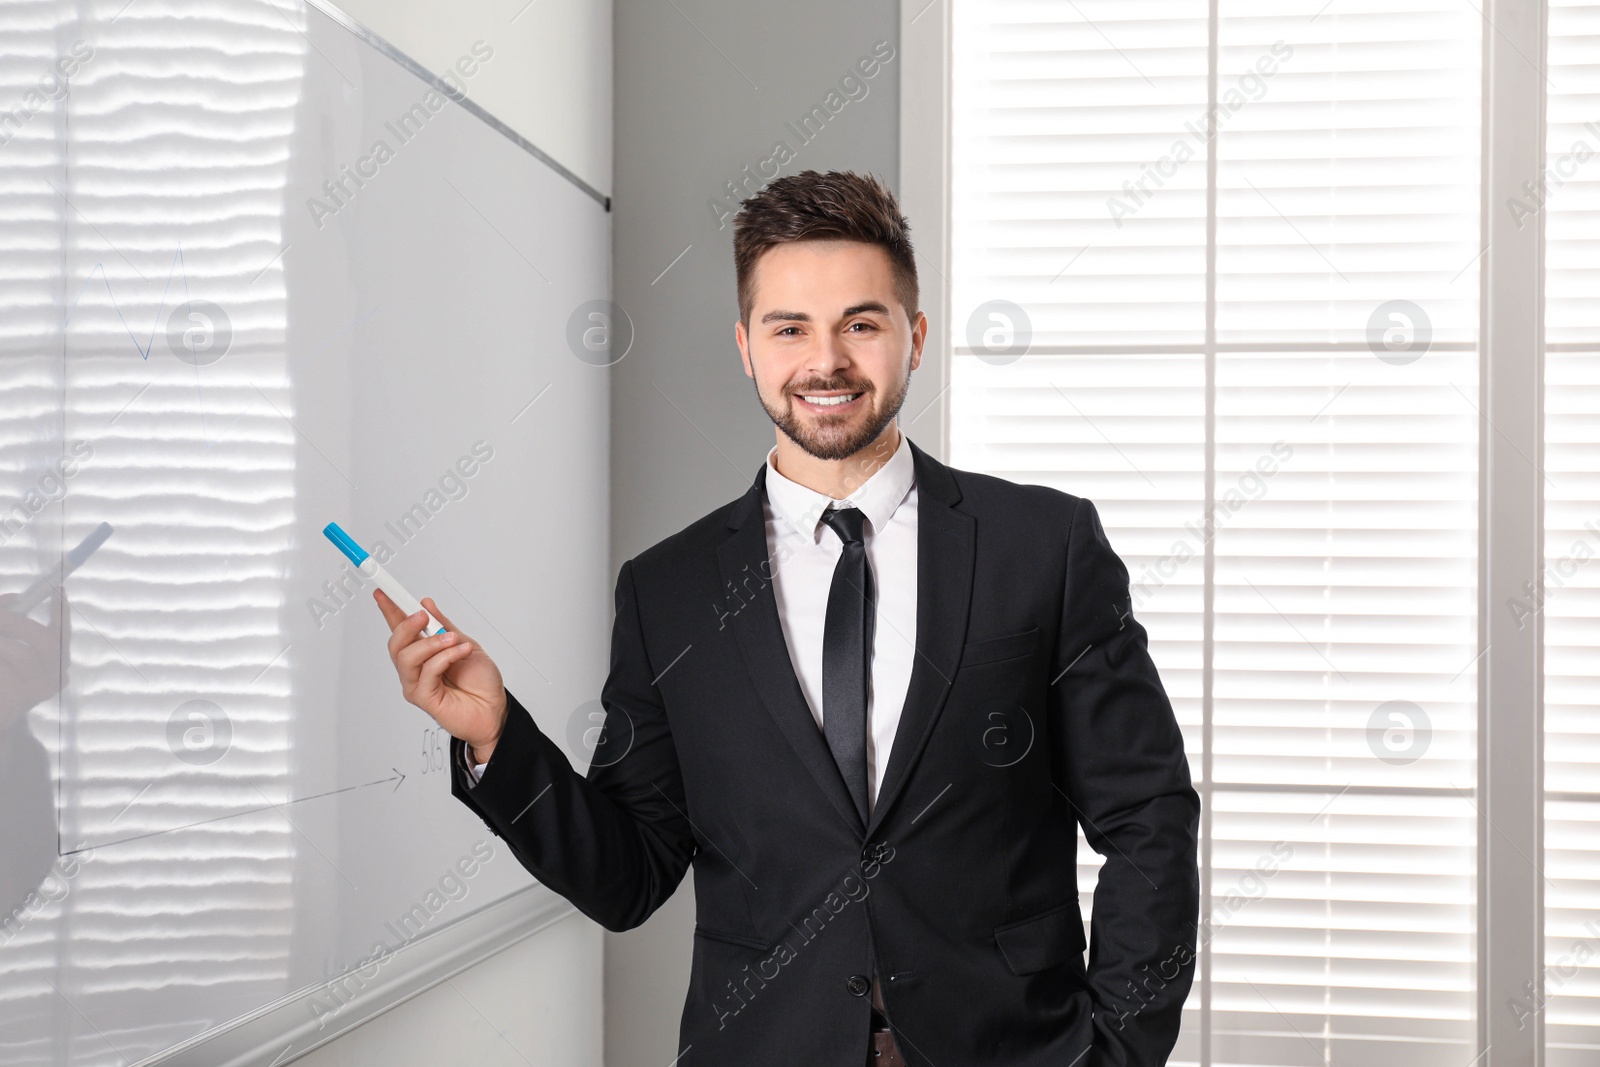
[(945, 545), (747, 578), (946, 541)]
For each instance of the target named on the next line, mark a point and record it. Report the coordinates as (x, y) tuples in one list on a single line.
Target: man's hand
[(449, 676)]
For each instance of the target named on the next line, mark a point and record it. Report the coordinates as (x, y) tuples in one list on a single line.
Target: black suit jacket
[(1033, 705)]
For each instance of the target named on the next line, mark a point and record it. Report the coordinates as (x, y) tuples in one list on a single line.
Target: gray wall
[(704, 89)]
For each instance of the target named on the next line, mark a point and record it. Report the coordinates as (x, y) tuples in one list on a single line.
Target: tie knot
[(846, 522)]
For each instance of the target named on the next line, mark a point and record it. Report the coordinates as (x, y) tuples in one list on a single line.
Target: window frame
[(1509, 794)]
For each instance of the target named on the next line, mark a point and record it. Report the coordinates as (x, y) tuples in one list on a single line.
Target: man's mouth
[(829, 401)]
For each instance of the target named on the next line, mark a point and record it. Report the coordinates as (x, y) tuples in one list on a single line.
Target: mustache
[(829, 387)]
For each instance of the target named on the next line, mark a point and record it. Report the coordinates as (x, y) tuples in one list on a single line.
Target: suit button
[(858, 985), (877, 852)]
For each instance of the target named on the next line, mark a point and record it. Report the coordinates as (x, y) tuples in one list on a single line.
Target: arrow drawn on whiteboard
[(398, 777)]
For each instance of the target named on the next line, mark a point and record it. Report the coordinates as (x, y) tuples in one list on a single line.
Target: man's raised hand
[(449, 676)]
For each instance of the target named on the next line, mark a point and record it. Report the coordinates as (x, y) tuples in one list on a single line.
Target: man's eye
[(786, 329), (868, 325)]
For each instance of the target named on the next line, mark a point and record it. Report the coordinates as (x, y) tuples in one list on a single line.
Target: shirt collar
[(878, 497)]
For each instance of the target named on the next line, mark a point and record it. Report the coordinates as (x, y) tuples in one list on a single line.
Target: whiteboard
[(218, 806)]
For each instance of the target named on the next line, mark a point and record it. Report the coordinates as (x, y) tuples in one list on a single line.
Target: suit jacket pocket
[(732, 939), (993, 649), (1042, 940)]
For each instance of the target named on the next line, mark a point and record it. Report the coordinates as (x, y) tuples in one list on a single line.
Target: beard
[(840, 436)]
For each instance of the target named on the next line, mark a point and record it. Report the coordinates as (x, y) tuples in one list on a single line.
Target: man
[(869, 701)]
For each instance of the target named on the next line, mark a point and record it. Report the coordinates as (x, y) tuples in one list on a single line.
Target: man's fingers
[(433, 608), (431, 676), (411, 658), (391, 611), (405, 633)]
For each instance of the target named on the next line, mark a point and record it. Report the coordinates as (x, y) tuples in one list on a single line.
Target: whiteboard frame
[(356, 27), (290, 1027)]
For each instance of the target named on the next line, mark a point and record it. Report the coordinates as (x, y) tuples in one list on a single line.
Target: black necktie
[(847, 654)]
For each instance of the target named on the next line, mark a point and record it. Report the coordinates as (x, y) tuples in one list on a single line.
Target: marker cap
[(345, 543)]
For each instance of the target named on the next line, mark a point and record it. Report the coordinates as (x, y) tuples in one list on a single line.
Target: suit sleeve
[(616, 841), (1127, 777)]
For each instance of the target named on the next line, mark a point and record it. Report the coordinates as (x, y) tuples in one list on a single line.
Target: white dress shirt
[(803, 553)]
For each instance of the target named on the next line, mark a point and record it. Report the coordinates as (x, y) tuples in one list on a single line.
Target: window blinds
[(1240, 254), (1570, 200), (170, 113)]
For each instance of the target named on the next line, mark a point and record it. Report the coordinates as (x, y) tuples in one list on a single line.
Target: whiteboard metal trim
[(287, 1029), (467, 104)]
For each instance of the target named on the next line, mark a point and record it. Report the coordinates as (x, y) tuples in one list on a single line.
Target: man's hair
[(809, 206)]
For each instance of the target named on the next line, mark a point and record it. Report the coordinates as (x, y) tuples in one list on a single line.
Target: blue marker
[(371, 568)]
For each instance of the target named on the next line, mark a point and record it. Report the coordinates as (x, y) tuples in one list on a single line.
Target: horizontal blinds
[(1571, 604), (1049, 119), (158, 179), (1345, 595), (1329, 344)]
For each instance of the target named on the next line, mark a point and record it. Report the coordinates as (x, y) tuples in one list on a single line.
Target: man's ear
[(742, 339), (919, 334)]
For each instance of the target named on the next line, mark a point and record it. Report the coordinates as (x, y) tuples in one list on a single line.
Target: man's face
[(829, 346)]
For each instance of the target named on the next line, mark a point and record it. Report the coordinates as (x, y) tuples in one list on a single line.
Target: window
[(1570, 599), (1219, 268)]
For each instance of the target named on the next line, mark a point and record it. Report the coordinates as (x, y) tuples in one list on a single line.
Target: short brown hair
[(810, 206)]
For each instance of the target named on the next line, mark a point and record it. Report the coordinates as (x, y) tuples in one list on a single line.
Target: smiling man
[(870, 702)]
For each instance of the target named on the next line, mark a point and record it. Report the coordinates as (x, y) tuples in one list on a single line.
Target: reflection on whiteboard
[(220, 328)]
